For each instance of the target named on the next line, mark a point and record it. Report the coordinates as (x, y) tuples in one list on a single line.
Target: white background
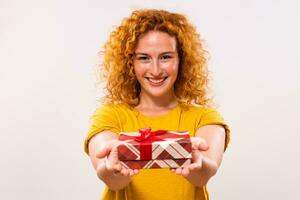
[(48, 52)]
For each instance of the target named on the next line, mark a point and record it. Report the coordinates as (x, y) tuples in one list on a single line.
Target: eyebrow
[(145, 54)]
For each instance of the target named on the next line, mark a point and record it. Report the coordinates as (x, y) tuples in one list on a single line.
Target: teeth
[(156, 80)]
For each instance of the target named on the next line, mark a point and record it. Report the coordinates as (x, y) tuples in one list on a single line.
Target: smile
[(156, 82)]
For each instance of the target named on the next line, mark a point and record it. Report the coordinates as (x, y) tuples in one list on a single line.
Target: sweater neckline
[(157, 116)]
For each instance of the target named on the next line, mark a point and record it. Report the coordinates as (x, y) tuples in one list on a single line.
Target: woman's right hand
[(110, 163)]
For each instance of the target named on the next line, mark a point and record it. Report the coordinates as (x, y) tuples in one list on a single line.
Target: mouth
[(156, 82)]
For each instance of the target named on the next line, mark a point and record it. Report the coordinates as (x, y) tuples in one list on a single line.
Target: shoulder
[(198, 110), (113, 108), (203, 115), (119, 112)]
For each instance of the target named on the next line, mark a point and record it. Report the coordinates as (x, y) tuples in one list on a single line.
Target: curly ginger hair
[(117, 68)]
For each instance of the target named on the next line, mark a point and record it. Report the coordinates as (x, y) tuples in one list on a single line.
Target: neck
[(160, 102)]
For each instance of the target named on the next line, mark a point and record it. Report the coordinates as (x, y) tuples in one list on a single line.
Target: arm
[(104, 156), (208, 148)]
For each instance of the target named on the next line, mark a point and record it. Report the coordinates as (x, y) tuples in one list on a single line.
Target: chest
[(176, 122)]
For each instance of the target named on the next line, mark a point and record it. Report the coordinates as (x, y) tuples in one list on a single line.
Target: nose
[(156, 70)]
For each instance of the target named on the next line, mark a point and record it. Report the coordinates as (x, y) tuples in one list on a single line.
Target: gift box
[(154, 149)]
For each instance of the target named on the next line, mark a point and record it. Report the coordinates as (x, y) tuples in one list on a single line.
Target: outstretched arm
[(208, 148), (104, 156)]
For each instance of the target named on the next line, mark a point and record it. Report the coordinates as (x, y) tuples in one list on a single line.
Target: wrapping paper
[(158, 149)]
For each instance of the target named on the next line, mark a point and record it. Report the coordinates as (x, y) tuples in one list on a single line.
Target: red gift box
[(158, 149)]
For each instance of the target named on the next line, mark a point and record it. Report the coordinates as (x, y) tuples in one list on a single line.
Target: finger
[(195, 166), (172, 170), (113, 156), (199, 143), (112, 161), (103, 152), (203, 146), (112, 167), (124, 172), (135, 171), (117, 173), (196, 155), (106, 149), (178, 171), (185, 171), (131, 173), (117, 167)]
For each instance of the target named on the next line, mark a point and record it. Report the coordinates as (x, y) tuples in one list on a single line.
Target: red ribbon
[(147, 134), (146, 139)]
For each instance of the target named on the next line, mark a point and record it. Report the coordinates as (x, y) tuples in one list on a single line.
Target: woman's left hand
[(198, 146)]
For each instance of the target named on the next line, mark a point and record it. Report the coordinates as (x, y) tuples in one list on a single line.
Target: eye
[(142, 58), (166, 57)]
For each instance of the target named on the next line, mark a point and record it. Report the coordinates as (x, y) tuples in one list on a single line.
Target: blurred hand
[(198, 145), (111, 162)]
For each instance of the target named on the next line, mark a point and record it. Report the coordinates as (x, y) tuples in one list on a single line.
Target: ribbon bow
[(146, 139), (147, 134)]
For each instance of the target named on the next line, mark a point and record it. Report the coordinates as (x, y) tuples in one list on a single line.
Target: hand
[(111, 162), (198, 145)]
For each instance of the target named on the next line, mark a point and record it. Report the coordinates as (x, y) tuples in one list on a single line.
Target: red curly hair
[(117, 69)]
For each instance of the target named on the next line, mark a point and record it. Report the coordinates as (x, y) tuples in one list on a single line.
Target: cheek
[(139, 71), (172, 68)]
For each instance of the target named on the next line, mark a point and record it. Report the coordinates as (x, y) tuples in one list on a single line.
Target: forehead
[(156, 41)]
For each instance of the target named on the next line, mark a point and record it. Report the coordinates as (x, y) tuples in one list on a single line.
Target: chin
[(160, 93)]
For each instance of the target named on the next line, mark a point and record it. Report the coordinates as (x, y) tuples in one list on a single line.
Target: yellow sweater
[(154, 184)]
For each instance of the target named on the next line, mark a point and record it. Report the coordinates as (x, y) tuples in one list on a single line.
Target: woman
[(156, 73)]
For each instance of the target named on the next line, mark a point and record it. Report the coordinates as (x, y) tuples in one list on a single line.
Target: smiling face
[(156, 64)]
